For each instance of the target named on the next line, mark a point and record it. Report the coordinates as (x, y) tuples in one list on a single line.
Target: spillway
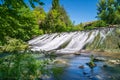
[(71, 42)]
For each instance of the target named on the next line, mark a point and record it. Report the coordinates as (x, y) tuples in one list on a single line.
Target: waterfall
[(68, 42)]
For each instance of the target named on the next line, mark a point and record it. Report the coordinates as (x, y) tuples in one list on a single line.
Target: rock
[(81, 66), (39, 78), (91, 64), (60, 61), (109, 76), (99, 77), (85, 73), (100, 59), (114, 61), (77, 53), (105, 66), (90, 77)]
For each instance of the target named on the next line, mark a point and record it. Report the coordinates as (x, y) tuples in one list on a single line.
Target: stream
[(77, 69)]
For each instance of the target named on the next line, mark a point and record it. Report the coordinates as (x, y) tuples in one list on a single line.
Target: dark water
[(73, 72)]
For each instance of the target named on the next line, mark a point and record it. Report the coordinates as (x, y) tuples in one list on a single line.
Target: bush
[(99, 23), (13, 45), (89, 27), (21, 67), (17, 63)]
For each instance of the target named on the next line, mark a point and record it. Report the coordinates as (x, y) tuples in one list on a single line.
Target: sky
[(78, 10)]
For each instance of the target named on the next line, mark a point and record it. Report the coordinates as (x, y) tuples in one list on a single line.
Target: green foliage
[(101, 7), (17, 20), (91, 64), (79, 27), (95, 24), (64, 17), (39, 14), (19, 3), (109, 11), (89, 27), (99, 23), (55, 4), (57, 71), (21, 66), (17, 63), (56, 20), (53, 23), (13, 45)]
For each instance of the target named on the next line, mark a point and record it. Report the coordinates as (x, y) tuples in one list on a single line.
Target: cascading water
[(73, 42)]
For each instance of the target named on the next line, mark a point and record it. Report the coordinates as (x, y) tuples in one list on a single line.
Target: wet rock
[(85, 73), (90, 77), (77, 53), (99, 77), (81, 66), (40, 79), (91, 64), (60, 62), (105, 66), (100, 59), (114, 61), (109, 76)]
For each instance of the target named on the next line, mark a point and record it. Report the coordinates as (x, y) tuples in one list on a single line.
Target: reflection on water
[(79, 70)]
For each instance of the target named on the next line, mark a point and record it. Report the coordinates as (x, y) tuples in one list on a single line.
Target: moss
[(91, 64), (95, 43)]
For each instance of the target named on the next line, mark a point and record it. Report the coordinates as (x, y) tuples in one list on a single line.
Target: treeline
[(18, 20), (56, 20), (19, 23)]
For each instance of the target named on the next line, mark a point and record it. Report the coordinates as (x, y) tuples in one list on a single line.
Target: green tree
[(17, 23), (111, 11), (53, 23), (19, 3), (57, 19), (101, 7), (117, 12), (40, 16), (64, 17), (108, 11), (17, 20), (55, 4)]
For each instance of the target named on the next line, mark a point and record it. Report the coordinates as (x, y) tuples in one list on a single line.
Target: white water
[(73, 42)]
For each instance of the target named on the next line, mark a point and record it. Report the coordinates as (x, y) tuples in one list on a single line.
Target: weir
[(68, 42)]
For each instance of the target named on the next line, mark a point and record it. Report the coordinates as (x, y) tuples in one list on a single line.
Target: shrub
[(99, 23), (21, 66), (17, 63), (89, 27), (13, 45)]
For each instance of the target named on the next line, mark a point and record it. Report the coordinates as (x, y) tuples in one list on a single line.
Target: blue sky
[(78, 10)]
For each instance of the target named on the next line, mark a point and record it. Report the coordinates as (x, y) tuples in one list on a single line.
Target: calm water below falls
[(77, 69)]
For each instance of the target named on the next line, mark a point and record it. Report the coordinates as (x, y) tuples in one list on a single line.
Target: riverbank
[(109, 54)]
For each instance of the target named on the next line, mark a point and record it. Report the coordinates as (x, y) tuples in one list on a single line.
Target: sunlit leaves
[(57, 19)]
